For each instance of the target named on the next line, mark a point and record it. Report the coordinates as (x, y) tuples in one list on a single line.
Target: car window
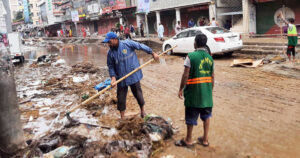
[(193, 33), (217, 30), (183, 34)]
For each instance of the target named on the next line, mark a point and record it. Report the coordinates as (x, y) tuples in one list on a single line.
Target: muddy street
[(255, 114)]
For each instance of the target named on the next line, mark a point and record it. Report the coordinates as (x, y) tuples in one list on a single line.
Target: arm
[(184, 78), (111, 69), (283, 19), (140, 46)]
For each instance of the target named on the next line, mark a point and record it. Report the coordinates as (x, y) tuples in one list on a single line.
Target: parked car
[(219, 40)]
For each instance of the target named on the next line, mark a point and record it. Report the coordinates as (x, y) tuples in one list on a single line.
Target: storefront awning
[(231, 13)]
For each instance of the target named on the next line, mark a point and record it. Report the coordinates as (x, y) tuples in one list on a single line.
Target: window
[(217, 30), (193, 33), (183, 34)]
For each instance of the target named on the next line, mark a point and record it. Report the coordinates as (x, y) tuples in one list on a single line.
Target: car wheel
[(228, 54), (22, 59), (168, 47)]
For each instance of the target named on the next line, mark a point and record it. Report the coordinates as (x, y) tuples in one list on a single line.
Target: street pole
[(147, 28), (76, 29)]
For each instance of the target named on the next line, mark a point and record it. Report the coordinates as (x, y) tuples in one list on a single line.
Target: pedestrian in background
[(132, 30), (127, 32), (83, 32), (142, 29), (197, 84), (292, 38), (70, 33), (160, 31), (121, 60), (178, 27), (191, 23), (213, 22)]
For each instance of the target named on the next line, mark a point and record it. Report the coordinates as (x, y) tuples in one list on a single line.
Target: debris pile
[(47, 92), (84, 68)]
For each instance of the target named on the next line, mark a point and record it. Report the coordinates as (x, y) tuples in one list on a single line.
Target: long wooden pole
[(118, 81)]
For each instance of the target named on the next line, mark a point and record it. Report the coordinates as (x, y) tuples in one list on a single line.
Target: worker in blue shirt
[(121, 60)]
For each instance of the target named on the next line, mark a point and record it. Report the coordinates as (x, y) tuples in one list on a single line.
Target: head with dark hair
[(200, 41), (213, 18), (291, 20)]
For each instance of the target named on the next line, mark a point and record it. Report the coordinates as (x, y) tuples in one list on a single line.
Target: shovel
[(107, 88)]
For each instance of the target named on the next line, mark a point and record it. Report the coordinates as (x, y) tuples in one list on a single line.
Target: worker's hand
[(155, 56), (113, 81), (180, 94)]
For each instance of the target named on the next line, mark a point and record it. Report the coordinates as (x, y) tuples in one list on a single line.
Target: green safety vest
[(292, 36), (198, 91)]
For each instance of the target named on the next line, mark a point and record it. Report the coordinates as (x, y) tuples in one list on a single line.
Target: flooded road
[(73, 54)]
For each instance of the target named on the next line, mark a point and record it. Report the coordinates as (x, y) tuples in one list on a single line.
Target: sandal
[(182, 143), (200, 139)]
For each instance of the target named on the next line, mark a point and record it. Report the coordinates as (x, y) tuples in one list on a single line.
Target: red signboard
[(106, 10), (120, 4)]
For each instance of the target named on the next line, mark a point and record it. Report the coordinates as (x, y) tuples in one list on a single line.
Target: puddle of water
[(73, 54)]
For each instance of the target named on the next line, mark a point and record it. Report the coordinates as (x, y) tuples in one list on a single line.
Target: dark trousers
[(142, 33), (127, 36), (122, 94)]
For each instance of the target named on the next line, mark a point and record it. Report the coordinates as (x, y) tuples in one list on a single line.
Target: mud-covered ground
[(255, 114)]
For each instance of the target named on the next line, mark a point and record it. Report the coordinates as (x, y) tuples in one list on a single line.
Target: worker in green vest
[(292, 38), (197, 85)]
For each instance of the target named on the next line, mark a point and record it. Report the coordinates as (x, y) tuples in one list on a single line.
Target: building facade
[(5, 17)]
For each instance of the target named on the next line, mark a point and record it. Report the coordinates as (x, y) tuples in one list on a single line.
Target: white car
[(219, 40)]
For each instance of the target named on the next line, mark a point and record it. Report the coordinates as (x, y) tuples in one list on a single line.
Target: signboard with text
[(143, 6), (74, 15)]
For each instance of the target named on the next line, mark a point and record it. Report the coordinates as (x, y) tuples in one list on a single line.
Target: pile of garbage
[(47, 92), (135, 137)]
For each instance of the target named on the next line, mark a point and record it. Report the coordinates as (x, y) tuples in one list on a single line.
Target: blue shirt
[(191, 24), (123, 60)]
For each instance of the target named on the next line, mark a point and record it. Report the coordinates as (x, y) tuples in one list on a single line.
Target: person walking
[(178, 27), (83, 32), (127, 32), (121, 60), (197, 84), (292, 38), (160, 31), (213, 22), (142, 29), (70, 33), (132, 30)]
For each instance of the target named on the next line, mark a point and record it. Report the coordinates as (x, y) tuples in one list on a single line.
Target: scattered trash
[(110, 132), (81, 79), (155, 137), (59, 61), (58, 153)]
